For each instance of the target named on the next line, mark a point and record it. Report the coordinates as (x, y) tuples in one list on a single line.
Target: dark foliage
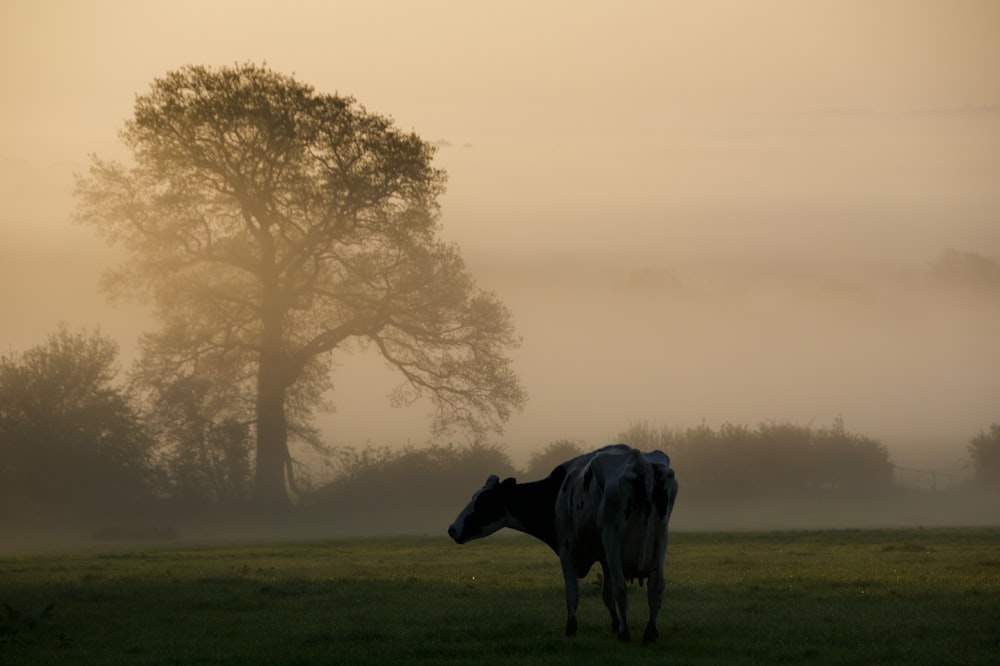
[(71, 440), (204, 444), (542, 462), (410, 482), (775, 459), (984, 452)]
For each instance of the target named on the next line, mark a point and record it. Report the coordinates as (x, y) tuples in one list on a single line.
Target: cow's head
[(485, 514)]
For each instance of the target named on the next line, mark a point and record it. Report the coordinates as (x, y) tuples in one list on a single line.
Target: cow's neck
[(531, 507)]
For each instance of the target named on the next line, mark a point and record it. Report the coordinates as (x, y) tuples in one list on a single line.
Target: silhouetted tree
[(271, 225), (984, 452), (71, 441)]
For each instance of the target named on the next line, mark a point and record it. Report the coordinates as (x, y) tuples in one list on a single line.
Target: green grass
[(841, 597)]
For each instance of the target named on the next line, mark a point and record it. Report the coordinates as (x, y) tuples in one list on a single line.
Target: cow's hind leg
[(621, 604), (654, 594), (572, 594), (656, 582), (608, 594), (618, 592)]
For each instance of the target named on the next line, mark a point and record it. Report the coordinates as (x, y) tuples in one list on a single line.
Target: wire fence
[(922, 479)]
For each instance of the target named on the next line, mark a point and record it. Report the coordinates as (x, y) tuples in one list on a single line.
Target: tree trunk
[(270, 490), (273, 458)]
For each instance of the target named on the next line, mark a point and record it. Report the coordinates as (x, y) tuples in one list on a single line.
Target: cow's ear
[(492, 481), (508, 483)]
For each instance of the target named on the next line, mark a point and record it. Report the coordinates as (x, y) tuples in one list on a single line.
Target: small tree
[(204, 443), (71, 440), (984, 452)]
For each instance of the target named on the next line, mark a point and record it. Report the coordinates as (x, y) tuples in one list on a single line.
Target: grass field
[(840, 597)]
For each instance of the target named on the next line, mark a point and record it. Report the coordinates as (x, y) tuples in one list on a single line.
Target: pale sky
[(727, 142)]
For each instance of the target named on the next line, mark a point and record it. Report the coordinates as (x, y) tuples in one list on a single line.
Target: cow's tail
[(640, 476)]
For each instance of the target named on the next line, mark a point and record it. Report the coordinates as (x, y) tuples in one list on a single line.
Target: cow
[(610, 506)]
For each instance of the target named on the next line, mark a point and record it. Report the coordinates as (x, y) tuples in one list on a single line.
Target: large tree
[(270, 225)]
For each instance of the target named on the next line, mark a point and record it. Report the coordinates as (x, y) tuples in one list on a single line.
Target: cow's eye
[(487, 502)]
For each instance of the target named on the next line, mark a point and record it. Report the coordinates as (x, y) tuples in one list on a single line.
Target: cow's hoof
[(624, 636), (650, 636), (571, 627)]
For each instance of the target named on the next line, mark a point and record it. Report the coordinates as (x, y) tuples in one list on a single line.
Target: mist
[(621, 334), (694, 216)]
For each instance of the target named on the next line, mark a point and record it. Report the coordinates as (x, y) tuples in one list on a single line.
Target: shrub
[(412, 480)]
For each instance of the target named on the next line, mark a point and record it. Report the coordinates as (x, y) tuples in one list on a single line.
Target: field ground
[(833, 597)]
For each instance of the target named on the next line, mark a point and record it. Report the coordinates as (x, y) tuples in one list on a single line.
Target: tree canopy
[(270, 225)]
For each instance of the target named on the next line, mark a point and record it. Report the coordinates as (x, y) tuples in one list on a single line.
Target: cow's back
[(612, 489)]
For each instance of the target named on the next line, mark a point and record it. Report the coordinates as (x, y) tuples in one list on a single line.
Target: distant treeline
[(772, 460), (74, 443)]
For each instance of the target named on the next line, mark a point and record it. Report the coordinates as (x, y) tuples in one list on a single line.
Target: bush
[(412, 481)]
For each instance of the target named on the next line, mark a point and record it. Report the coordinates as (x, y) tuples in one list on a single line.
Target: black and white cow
[(610, 506)]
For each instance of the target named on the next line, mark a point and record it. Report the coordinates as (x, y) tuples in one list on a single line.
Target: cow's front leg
[(572, 593)]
